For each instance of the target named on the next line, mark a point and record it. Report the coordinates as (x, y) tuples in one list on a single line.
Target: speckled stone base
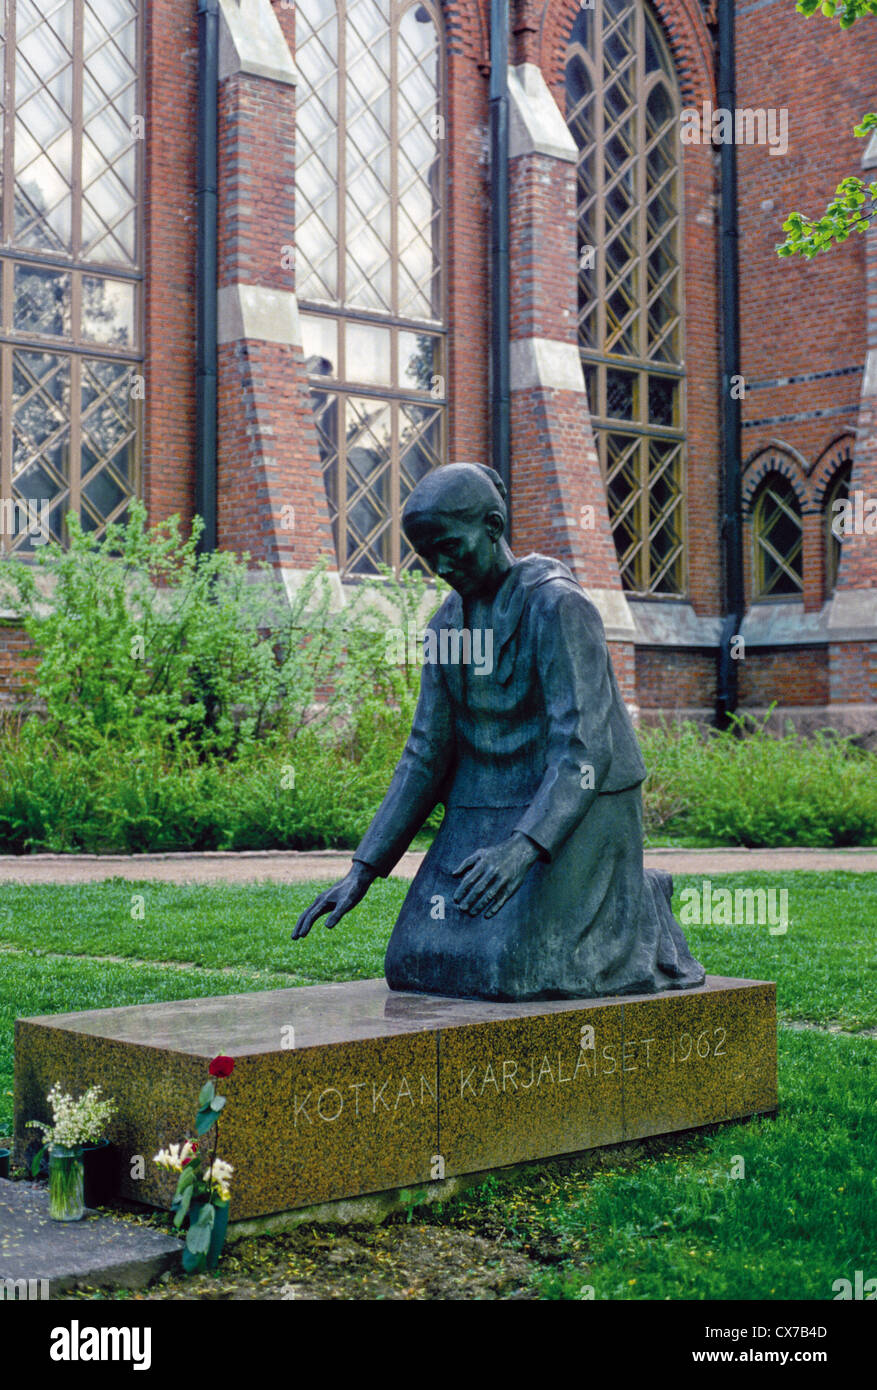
[(340, 1090)]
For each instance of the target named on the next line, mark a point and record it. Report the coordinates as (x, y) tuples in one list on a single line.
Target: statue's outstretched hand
[(337, 900), (492, 875)]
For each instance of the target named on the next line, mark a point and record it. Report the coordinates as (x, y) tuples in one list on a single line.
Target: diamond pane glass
[(368, 476), (317, 149), (109, 141), (779, 541), (43, 128), (369, 237), (72, 97), (42, 301), (622, 110), (40, 439)]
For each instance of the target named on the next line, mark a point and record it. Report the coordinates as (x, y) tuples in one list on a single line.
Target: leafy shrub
[(749, 787), (140, 641), (185, 702)]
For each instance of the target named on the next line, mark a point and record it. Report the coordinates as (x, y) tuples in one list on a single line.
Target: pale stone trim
[(546, 364), (251, 41), (614, 609), (672, 624), (252, 311), (536, 125), (852, 615)]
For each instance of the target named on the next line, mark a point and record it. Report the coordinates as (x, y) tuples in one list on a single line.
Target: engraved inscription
[(358, 1099)]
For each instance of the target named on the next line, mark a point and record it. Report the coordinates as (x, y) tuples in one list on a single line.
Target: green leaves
[(198, 1234), (205, 1120), (852, 209), (209, 1106), (182, 1205), (845, 11), (142, 642)]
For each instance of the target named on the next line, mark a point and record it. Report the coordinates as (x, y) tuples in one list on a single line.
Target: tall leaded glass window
[(623, 112), (70, 262), (369, 259), (778, 537)]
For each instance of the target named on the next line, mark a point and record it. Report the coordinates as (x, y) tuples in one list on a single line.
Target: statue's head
[(455, 519)]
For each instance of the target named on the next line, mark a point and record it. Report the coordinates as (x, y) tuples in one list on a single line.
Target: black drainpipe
[(732, 517), (205, 291), (499, 240)]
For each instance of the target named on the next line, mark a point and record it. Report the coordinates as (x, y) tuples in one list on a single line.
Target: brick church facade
[(353, 305)]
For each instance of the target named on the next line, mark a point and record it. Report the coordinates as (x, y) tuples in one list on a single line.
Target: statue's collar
[(509, 603)]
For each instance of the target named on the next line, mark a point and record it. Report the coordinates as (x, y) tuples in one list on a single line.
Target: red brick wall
[(800, 317), (171, 38), (467, 261), (623, 658), (792, 675), (797, 318), (15, 663), (853, 670), (675, 678), (554, 468), (267, 456)]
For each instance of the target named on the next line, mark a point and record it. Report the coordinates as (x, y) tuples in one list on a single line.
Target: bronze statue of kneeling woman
[(534, 886)]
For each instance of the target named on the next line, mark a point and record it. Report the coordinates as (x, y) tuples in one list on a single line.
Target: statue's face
[(460, 552)]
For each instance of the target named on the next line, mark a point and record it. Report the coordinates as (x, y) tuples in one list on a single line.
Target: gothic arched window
[(623, 112), (778, 536), (369, 259), (71, 136)]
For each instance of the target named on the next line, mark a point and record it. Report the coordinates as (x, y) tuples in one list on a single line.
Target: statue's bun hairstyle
[(493, 477), (453, 490)]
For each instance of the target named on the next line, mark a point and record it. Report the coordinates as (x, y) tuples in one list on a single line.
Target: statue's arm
[(417, 782), (573, 665)]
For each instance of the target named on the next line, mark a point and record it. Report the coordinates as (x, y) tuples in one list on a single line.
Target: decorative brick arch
[(829, 464), (685, 30), (775, 458)]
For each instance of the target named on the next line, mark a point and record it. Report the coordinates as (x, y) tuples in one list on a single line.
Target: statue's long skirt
[(592, 922)]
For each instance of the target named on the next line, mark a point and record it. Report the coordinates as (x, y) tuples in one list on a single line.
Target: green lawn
[(662, 1219)]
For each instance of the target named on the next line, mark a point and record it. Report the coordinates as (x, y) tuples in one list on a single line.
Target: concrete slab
[(40, 1257)]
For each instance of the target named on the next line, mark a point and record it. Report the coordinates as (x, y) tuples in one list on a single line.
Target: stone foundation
[(347, 1089)]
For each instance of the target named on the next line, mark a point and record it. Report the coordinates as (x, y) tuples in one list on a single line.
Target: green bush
[(142, 642), (748, 787), (308, 795), (185, 702)]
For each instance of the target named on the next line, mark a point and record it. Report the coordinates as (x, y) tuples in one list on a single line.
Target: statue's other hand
[(492, 875), (337, 900)]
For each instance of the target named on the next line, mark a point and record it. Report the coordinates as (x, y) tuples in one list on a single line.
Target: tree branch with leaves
[(854, 205)]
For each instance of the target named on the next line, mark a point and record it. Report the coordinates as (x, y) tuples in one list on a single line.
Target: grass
[(668, 1220), (664, 1219)]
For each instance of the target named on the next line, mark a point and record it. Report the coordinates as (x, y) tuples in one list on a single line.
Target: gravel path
[(286, 867)]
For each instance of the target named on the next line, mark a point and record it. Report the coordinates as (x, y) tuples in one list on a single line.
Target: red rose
[(222, 1066)]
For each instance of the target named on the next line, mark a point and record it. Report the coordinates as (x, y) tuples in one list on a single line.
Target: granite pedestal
[(345, 1089)]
